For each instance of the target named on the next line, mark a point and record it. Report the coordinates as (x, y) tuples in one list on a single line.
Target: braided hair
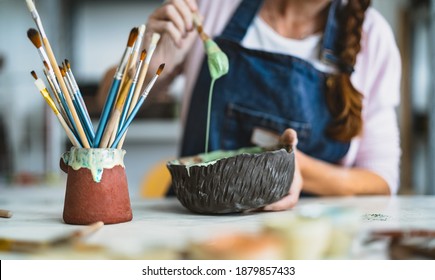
[(343, 100)]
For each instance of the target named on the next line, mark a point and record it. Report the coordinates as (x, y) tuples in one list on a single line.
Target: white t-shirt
[(261, 36)]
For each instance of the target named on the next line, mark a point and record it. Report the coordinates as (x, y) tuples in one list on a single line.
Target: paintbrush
[(78, 107), (138, 43), (28, 246), (54, 65), (152, 47), (125, 88), (79, 96), (5, 213), (34, 37), (82, 111), (132, 88), (139, 103), (58, 96), (43, 90), (111, 96), (130, 65), (61, 100), (112, 126), (217, 60)]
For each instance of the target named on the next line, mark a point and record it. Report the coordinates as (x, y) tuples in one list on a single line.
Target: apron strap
[(239, 23), (329, 45), (241, 20)]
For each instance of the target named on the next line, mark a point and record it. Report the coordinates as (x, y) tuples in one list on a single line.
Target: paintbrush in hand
[(217, 60)]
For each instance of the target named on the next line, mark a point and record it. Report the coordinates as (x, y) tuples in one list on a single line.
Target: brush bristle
[(199, 29), (40, 84), (34, 36), (30, 5), (133, 36), (160, 70), (34, 75), (143, 54), (62, 71), (68, 65), (46, 65)]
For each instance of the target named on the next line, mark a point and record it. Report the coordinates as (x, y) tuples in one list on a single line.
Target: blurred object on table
[(5, 157), (317, 232), (409, 244), (156, 182), (311, 232), (238, 246)]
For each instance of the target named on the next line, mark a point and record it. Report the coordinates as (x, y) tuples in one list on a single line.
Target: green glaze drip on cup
[(218, 66), (96, 160)]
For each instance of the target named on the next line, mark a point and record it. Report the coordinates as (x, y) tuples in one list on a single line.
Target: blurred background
[(92, 35)]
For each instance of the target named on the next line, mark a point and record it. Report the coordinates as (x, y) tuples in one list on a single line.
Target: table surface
[(165, 223)]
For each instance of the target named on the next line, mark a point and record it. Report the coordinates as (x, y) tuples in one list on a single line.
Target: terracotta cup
[(96, 188)]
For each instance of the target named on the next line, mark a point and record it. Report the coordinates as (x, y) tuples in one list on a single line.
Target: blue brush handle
[(70, 117), (127, 104), (128, 121), (87, 125), (83, 104), (106, 111)]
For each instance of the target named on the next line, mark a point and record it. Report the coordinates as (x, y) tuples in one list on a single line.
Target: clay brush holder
[(223, 182), (96, 188)]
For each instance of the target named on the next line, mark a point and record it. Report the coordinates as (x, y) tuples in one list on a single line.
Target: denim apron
[(263, 90)]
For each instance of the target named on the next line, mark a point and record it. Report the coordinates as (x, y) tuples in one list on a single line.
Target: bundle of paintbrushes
[(124, 98)]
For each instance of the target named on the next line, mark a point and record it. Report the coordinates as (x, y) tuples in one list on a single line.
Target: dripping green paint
[(218, 66)]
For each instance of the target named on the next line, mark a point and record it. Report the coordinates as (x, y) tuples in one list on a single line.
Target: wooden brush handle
[(64, 88)]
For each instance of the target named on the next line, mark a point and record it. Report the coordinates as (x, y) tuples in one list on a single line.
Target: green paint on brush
[(218, 66), (217, 60)]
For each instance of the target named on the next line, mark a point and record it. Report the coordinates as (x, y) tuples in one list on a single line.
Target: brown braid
[(344, 101)]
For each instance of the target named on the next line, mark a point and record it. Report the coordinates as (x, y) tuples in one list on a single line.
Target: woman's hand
[(173, 19), (289, 137)]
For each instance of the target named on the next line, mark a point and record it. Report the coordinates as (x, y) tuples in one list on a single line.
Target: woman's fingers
[(185, 12), (166, 27), (289, 137), (287, 202), (290, 200), (192, 5), (174, 18)]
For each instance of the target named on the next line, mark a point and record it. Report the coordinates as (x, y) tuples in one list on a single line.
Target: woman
[(329, 70)]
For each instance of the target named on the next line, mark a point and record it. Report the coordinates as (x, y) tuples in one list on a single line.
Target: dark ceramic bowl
[(232, 181)]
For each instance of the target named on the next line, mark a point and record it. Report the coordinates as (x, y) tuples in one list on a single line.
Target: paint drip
[(218, 66)]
